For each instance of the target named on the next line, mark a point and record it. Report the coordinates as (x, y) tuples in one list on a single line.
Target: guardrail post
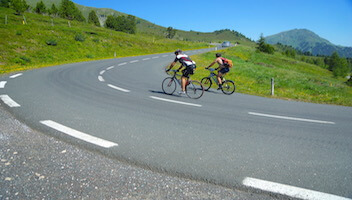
[(272, 87)]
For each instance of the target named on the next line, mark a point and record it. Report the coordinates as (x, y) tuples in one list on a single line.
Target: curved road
[(117, 107)]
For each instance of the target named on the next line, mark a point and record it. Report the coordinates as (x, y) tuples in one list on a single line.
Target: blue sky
[(330, 19)]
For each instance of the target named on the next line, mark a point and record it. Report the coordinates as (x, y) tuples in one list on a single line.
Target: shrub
[(22, 60), (80, 37), (51, 42), (349, 82)]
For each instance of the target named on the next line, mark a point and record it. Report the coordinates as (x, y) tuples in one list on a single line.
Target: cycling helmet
[(178, 51), (218, 55)]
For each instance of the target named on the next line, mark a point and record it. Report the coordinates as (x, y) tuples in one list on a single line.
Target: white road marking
[(173, 101), (288, 190), (165, 55), (102, 72), (2, 84), (6, 99), (16, 75), (155, 57), (78, 134), (146, 59), (134, 61), (122, 64), (112, 67), (291, 118), (118, 88), (101, 79)]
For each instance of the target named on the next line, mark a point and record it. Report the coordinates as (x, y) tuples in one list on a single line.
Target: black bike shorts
[(224, 70), (188, 71)]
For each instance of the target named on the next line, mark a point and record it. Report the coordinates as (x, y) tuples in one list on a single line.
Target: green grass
[(294, 80), (39, 43)]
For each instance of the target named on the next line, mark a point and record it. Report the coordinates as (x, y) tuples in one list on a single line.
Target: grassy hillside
[(294, 80), (45, 41), (146, 27)]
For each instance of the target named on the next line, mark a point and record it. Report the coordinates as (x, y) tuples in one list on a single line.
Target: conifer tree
[(68, 10), (53, 10), (19, 6), (40, 8), (5, 3), (93, 19)]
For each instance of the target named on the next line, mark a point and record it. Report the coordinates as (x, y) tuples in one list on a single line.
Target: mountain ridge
[(308, 41)]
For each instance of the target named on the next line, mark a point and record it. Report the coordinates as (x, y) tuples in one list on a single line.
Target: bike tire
[(206, 82), (228, 87), (168, 85), (194, 89)]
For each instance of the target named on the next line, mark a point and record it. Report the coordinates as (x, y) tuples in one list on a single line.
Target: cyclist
[(189, 68), (223, 68)]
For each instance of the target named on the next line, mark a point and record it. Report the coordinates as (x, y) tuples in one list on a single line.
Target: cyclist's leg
[(185, 77), (222, 73)]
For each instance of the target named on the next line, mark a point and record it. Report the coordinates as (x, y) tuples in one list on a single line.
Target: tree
[(5, 3), (131, 24), (93, 19), (19, 6), (263, 47), (40, 8), (68, 10), (122, 23), (170, 32), (339, 66), (53, 10)]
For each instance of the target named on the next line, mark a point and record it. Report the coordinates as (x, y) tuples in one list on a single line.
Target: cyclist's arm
[(171, 66), (179, 68), (211, 64)]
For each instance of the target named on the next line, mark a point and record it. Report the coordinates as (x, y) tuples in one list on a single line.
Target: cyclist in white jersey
[(189, 68)]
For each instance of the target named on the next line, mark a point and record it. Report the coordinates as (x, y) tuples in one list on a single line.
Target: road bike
[(194, 89), (228, 86)]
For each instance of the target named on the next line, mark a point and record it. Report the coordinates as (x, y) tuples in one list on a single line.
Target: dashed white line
[(101, 79), (165, 55), (122, 64), (288, 190), (78, 134), (112, 67), (7, 100), (173, 101), (146, 59), (155, 57), (102, 72), (118, 88), (2, 84), (16, 75), (134, 61), (290, 118)]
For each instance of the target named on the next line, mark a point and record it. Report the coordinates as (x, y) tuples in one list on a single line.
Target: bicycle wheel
[(228, 87), (194, 89), (206, 82), (169, 85)]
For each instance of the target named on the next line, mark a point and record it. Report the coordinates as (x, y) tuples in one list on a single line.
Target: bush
[(80, 37), (349, 82), (22, 60), (51, 42)]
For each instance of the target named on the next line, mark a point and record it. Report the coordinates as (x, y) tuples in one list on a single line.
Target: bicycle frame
[(214, 76), (194, 89)]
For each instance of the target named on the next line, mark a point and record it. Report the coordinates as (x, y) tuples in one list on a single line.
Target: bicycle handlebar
[(211, 69)]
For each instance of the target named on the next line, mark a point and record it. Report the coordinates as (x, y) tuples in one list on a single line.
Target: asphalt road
[(117, 107)]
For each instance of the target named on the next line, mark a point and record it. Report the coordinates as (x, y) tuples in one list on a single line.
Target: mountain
[(146, 27), (307, 41)]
